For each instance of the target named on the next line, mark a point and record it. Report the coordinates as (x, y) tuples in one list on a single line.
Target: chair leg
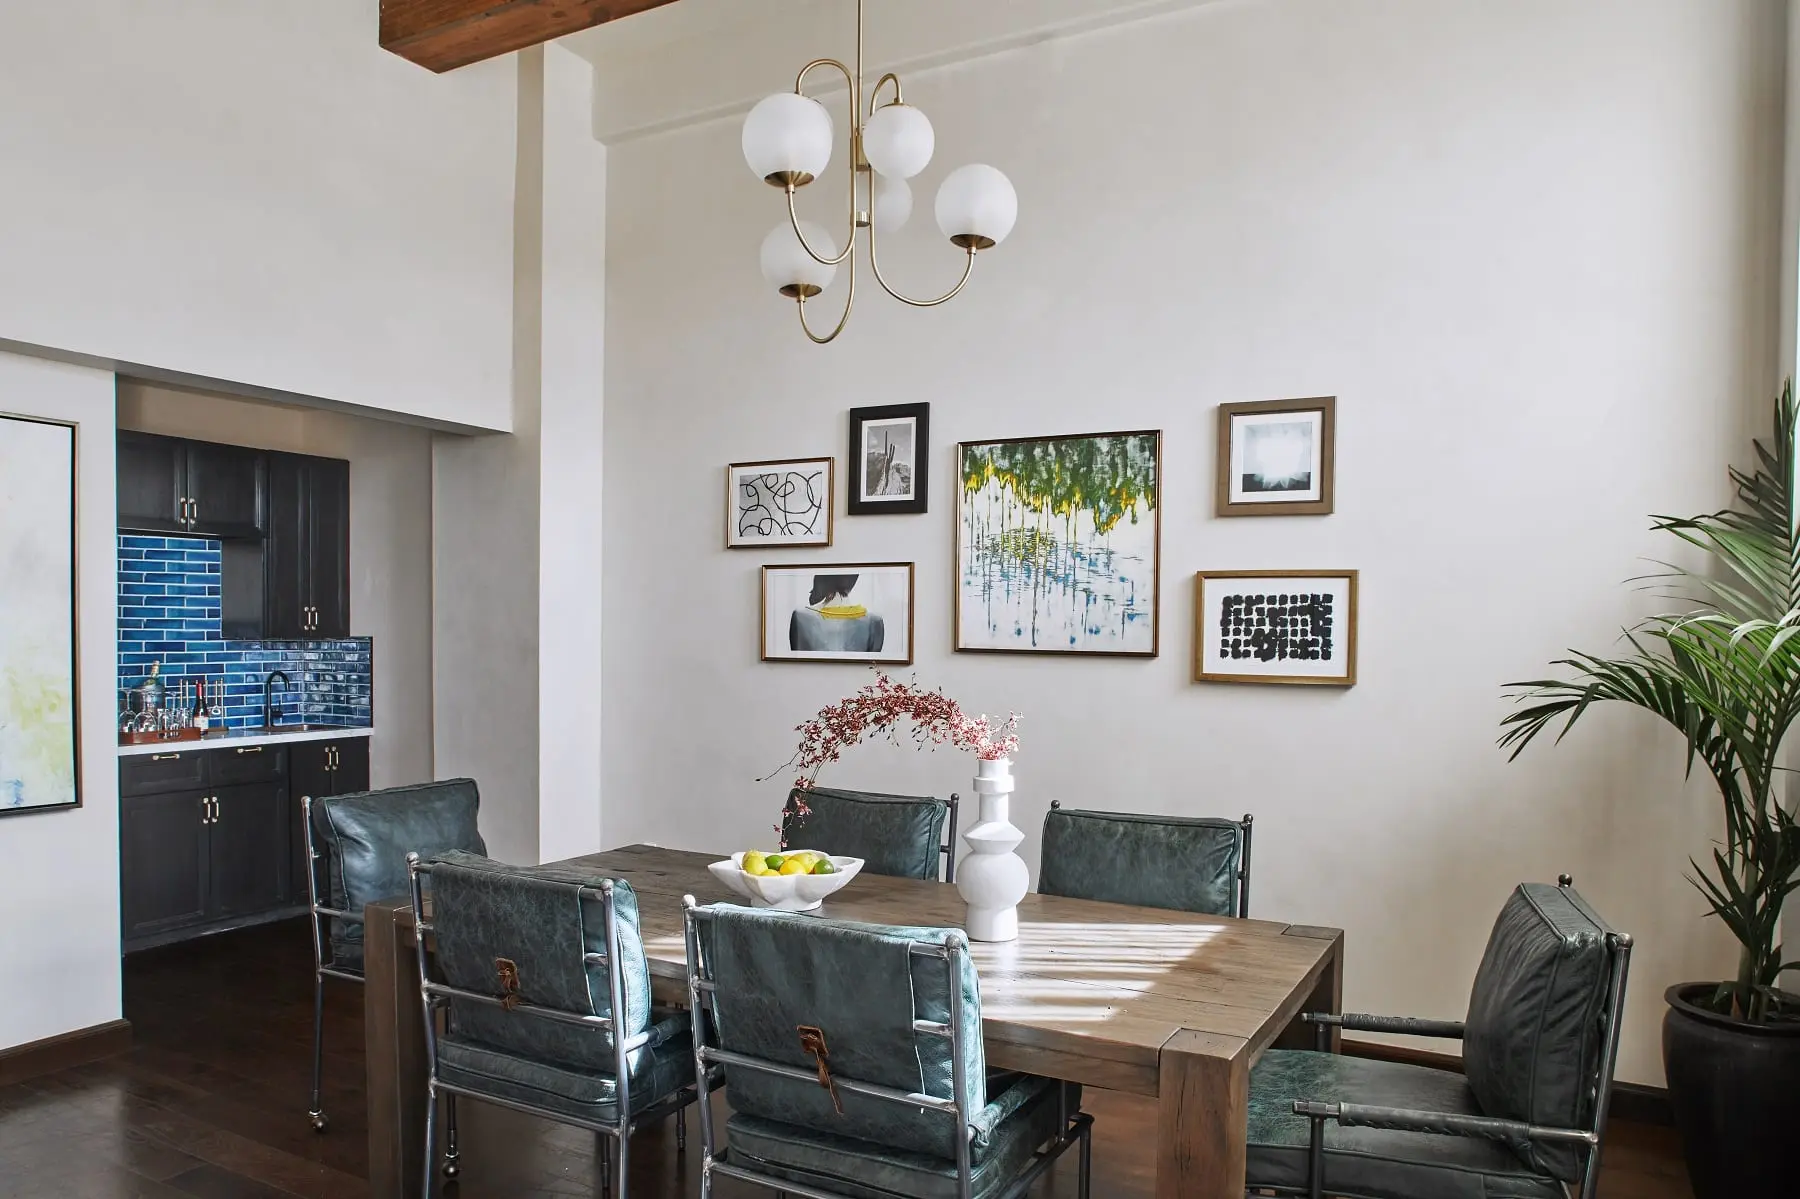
[(624, 1151), (1315, 1163), (681, 1130), (1085, 1161), (603, 1151), (452, 1155), (316, 1112), (431, 1107)]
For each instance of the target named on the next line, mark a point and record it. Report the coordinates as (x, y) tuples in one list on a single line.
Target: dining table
[(1172, 1005)]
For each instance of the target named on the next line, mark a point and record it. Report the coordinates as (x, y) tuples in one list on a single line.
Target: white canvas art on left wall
[(37, 615)]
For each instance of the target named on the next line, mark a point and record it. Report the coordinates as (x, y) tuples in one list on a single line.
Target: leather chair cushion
[(1183, 864), (862, 987), (899, 835), (365, 838), (1536, 1019), (860, 1169), (1373, 1163), (590, 1095), (531, 915)]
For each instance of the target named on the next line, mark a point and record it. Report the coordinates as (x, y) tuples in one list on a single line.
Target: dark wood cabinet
[(212, 838), (248, 850), (164, 866), (306, 567), (191, 488)]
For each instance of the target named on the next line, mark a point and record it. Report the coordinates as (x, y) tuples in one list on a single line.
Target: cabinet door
[(225, 490), (284, 550), (152, 473), (163, 863), (350, 765), (248, 849), (328, 547), (309, 773)]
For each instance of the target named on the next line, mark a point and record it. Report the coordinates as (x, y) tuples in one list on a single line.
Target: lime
[(824, 867), (774, 861)]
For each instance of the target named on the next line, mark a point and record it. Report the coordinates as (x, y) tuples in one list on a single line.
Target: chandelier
[(787, 142)]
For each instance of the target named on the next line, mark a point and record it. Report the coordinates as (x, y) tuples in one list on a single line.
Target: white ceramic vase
[(992, 878)]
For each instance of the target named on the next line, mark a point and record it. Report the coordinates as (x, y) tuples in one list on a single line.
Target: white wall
[(390, 540), (257, 193), (1530, 247), (59, 870)]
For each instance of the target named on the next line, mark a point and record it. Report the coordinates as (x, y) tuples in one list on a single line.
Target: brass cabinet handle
[(165, 757), (250, 749)]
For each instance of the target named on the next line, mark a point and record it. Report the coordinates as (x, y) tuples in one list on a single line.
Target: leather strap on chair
[(509, 983), (812, 1040)]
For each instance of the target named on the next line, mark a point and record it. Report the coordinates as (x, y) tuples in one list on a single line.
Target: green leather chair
[(854, 1064), (1179, 863), (900, 835), (356, 847), (1525, 1119), (545, 988)]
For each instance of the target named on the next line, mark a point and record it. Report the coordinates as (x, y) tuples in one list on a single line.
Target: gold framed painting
[(1277, 457), (786, 502), (1275, 626)]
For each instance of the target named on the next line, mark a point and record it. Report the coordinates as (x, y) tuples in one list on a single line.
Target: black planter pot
[(1735, 1088)]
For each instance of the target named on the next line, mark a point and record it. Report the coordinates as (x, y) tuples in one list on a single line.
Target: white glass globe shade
[(898, 141), (977, 206), (787, 138), (789, 268), (893, 204)]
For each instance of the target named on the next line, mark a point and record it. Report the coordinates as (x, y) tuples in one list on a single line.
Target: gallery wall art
[(779, 503), (39, 749), (838, 612), (1275, 626), (1277, 457), (890, 460), (1058, 543)]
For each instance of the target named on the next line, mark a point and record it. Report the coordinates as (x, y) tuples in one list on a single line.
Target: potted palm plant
[(1725, 672)]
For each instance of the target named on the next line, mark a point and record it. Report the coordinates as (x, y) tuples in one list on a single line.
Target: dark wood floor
[(211, 1100)]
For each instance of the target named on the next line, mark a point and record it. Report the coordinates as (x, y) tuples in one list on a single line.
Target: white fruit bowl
[(785, 892)]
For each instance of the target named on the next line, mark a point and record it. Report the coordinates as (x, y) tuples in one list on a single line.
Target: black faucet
[(269, 713)]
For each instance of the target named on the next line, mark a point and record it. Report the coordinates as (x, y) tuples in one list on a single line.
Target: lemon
[(753, 862), (824, 866), (794, 866)]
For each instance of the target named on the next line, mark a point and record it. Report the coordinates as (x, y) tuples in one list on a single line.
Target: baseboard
[(35, 1058), (1630, 1101)]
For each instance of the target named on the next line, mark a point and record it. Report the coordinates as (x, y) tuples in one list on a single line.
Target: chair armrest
[(1358, 1115), (1411, 1026)]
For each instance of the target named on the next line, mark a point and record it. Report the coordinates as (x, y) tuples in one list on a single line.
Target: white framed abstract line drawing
[(1277, 457), (785, 502), (39, 742)]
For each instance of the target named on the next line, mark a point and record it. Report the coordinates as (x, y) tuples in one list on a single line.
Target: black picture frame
[(918, 502)]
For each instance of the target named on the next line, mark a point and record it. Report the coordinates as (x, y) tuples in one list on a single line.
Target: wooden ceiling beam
[(442, 35)]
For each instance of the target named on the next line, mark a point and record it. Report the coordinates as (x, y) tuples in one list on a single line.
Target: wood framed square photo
[(784, 502), (1275, 626), (1277, 457)]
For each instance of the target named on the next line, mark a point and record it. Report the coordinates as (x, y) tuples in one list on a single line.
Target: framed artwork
[(842, 612), (1058, 543), (890, 460), (1276, 457), (40, 760), (1275, 626), (780, 503)]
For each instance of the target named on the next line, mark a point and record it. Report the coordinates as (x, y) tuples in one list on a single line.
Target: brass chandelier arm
[(849, 302), (875, 265), (853, 83), (875, 96), (849, 245)]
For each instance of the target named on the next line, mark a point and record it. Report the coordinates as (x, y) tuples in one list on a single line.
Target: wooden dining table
[(1171, 1005)]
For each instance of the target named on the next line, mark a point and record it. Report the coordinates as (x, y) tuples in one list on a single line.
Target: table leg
[(394, 1037), (1203, 1107)]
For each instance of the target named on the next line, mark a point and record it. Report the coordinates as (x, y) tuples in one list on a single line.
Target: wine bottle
[(200, 721)]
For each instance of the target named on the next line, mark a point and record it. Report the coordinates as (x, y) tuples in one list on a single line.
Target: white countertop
[(245, 737)]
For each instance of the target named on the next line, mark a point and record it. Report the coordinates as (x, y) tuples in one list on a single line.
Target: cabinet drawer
[(248, 764), (155, 773)]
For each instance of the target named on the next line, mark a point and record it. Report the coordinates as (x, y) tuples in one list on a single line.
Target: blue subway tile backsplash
[(169, 614)]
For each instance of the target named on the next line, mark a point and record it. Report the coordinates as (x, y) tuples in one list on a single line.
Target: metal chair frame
[(437, 996), (1077, 1128), (1455, 1124), (1241, 889)]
